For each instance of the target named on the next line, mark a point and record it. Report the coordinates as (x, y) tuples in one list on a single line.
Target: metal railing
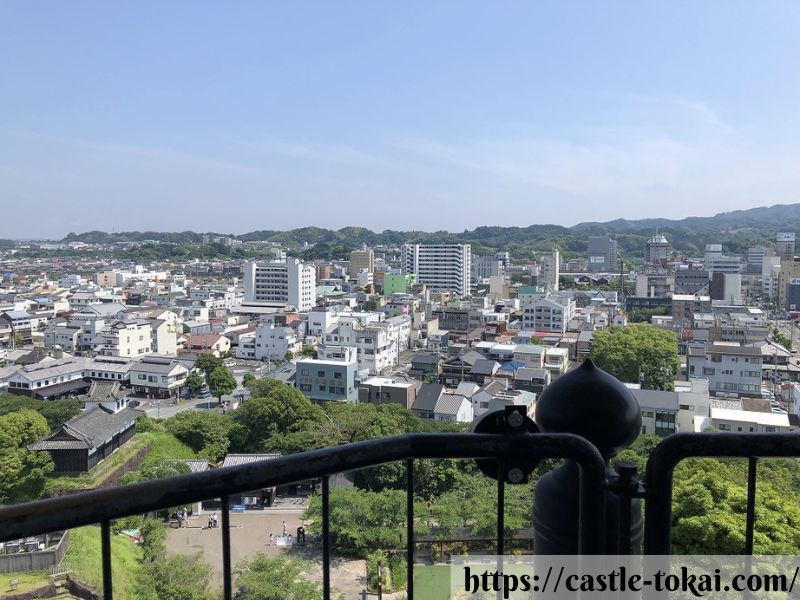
[(594, 485)]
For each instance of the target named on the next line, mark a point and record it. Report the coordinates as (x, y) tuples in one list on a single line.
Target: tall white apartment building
[(442, 267), (280, 283), (550, 269)]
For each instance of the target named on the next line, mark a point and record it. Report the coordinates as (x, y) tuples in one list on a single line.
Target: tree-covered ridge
[(736, 230)]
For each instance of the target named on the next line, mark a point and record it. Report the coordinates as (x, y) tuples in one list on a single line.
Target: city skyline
[(151, 117)]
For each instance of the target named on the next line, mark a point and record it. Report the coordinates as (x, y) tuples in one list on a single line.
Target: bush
[(399, 571), (379, 556)]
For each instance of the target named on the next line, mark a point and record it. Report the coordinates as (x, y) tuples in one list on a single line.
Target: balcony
[(598, 512)]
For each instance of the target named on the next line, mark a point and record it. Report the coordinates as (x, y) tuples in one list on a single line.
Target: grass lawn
[(27, 581), (84, 556), (163, 446), (432, 582)]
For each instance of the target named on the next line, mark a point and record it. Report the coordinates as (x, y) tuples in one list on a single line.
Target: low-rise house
[(84, 441), (483, 370), (531, 380), (453, 408), (456, 368), (158, 377), (50, 379), (209, 344), (725, 419), (386, 390), (426, 365), (428, 395)]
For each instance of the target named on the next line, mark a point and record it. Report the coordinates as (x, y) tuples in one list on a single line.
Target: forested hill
[(736, 230)]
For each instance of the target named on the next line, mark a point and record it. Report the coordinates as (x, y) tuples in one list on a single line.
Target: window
[(320, 373), (724, 427), (648, 414), (687, 407), (321, 388), (768, 429), (303, 371), (337, 375)]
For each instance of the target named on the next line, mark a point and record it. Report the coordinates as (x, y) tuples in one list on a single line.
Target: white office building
[(280, 283), (441, 267)]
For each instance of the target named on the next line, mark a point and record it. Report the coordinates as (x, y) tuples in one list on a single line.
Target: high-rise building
[(549, 269), (360, 260), (755, 258), (441, 267), (656, 250), (280, 283), (602, 254), (784, 245), (484, 267)]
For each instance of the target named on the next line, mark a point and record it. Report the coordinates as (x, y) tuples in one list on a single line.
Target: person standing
[(271, 539), (284, 529)]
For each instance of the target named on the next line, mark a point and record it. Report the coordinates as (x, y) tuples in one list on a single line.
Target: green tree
[(221, 382), (57, 412), (194, 381), (625, 352), (277, 418), (288, 356), (710, 504), (362, 521), (176, 577), (279, 578), (248, 379), (207, 433), (309, 351), (207, 363), (19, 339), (22, 472)]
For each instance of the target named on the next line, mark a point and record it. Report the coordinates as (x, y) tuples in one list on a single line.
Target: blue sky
[(408, 115)]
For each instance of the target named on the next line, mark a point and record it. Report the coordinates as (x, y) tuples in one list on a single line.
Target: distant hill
[(736, 230)]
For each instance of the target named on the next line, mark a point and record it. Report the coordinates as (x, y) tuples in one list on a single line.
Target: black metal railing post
[(226, 549), (598, 407), (410, 529), (326, 538), (105, 551)]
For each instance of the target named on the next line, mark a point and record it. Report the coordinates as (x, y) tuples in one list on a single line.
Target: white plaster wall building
[(550, 314), (273, 342), (280, 283)]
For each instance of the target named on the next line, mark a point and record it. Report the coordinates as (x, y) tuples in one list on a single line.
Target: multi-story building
[(656, 250), (714, 261), (550, 265), (691, 281), (550, 314), (789, 271), (273, 342), (362, 260), (332, 379), (729, 368), (727, 287), (280, 283), (441, 267), (784, 246), (378, 343), (654, 286), (602, 254), (755, 258), (484, 267)]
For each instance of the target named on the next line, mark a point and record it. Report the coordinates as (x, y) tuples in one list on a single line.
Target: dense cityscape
[(143, 369)]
